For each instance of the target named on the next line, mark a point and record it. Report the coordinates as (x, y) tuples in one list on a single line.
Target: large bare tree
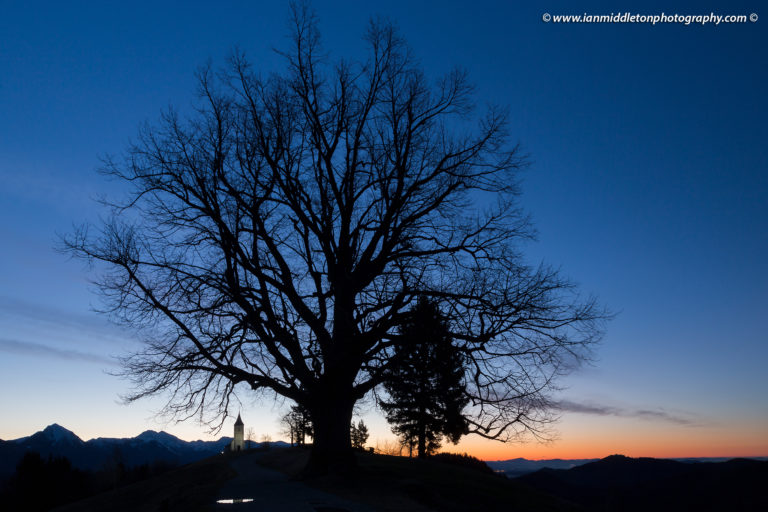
[(276, 238)]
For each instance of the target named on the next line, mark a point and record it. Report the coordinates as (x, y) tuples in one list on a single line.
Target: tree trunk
[(422, 434), (331, 449)]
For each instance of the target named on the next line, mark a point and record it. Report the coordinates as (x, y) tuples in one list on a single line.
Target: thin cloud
[(660, 414), (608, 410), (47, 316), (584, 408), (38, 349)]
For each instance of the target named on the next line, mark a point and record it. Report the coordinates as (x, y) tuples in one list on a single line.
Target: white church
[(238, 443)]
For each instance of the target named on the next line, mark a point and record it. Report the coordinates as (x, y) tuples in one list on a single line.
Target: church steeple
[(238, 442)]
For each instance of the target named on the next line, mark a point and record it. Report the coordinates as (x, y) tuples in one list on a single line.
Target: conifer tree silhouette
[(426, 389)]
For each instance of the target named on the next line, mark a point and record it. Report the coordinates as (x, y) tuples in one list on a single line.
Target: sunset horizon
[(583, 447)]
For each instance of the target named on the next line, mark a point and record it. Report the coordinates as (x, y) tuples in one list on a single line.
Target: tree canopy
[(276, 237), (358, 434)]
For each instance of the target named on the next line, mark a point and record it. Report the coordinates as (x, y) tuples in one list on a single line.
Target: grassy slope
[(398, 483), (190, 488), (385, 483)]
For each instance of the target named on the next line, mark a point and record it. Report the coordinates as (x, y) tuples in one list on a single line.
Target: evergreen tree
[(426, 387), (358, 435)]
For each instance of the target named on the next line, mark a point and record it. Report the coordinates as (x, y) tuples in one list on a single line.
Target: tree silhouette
[(250, 437), (273, 240), (426, 389), (358, 434), (43, 484), (297, 423)]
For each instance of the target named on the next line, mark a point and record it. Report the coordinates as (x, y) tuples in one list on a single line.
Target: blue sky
[(648, 187)]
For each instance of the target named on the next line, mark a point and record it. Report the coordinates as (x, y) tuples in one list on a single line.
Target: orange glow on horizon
[(597, 451), (638, 439)]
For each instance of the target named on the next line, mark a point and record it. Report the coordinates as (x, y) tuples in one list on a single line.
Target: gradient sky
[(648, 187)]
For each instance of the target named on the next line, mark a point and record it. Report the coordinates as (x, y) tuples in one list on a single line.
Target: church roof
[(239, 421)]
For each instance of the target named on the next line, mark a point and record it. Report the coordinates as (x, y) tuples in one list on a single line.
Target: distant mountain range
[(518, 467), (146, 448)]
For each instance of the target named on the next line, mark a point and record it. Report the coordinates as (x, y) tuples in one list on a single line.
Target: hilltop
[(382, 483), (397, 484)]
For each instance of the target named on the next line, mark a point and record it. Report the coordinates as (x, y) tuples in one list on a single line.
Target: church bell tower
[(238, 443)]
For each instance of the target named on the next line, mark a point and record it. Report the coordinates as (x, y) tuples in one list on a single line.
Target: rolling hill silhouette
[(619, 483), (520, 466)]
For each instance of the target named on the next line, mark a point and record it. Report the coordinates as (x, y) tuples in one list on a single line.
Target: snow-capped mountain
[(58, 434)]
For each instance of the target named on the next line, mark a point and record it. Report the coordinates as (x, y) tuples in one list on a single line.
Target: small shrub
[(463, 459)]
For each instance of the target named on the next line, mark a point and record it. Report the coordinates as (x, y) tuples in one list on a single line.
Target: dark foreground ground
[(191, 488), (395, 484), (619, 483), (381, 484)]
